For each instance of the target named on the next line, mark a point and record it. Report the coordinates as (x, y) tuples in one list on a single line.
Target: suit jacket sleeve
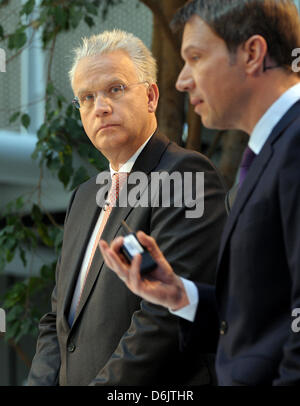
[(191, 246), (289, 195), (45, 365), (203, 332)]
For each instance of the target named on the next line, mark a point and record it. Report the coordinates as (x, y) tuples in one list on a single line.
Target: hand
[(161, 286)]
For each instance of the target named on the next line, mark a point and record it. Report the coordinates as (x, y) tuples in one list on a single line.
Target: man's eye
[(116, 89), (88, 97), (195, 58)]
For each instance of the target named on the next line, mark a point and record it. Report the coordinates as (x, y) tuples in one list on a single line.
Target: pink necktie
[(118, 181)]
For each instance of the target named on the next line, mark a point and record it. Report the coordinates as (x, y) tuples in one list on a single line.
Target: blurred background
[(44, 153)]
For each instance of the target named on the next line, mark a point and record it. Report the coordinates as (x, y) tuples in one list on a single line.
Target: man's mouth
[(196, 102), (107, 126)]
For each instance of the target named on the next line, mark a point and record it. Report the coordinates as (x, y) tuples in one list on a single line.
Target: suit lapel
[(80, 239), (146, 162), (254, 174), (245, 191)]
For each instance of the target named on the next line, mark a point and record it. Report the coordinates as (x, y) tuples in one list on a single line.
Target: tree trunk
[(194, 140), (234, 142), (171, 112), (166, 50)]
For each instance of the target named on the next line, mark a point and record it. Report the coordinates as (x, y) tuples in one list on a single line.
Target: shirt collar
[(131, 161), (272, 116)]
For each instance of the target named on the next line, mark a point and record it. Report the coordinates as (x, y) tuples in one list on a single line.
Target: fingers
[(103, 248), (150, 244), (113, 261), (130, 275), (117, 244), (134, 275)]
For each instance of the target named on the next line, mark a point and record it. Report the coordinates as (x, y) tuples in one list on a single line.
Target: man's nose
[(185, 80), (102, 105)]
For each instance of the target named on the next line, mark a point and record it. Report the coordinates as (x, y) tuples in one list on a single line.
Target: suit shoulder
[(91, 183), (187, 157), (288, 144)]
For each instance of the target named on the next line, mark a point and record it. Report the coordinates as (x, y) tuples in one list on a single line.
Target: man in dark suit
[(98, 332), (239, 73)]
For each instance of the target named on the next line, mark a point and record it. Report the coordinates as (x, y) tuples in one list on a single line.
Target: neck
[(119, 157), (263, 95)]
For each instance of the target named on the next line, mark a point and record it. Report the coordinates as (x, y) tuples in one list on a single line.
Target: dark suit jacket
[(258, 277), (117, 338)]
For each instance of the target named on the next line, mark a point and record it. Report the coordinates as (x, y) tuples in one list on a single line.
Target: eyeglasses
[(87, 100)]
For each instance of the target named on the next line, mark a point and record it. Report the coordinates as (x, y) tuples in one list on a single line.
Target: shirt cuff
[(188, 312)]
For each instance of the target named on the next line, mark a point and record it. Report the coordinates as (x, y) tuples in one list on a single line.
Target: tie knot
[(117, 181)]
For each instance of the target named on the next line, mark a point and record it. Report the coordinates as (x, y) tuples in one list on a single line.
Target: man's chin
[(110, 144), (213, 124)]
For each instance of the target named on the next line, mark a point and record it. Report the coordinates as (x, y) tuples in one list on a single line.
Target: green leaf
[(48, 271), (53, 164), (14, 313), (75, 17), (19, 203), (50, 88), (58, 240), (17, 40), (69, 110), (43, 233), (61, 16), (79, 177), (36, 214), (56, 143), (1, 32), (13, 117), (84, 150), (16, 294), (89, 21), (9, 256), (8, 229), (43, 132), (25, 328), (60, 100), (35, 283), (23, 256), (12, 330), (65, 174), (91, 9), (25, 120), (28, 7)]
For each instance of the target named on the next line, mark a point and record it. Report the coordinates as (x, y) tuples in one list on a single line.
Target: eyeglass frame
[(76, 102)]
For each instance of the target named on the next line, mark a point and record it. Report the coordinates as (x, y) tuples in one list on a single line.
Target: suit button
[(223, 327), (71, 347)]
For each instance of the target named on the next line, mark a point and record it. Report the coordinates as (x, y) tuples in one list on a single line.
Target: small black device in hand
[(132, 246)]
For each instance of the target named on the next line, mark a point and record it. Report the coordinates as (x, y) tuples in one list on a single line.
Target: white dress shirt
[(84, 267), (258, 138)]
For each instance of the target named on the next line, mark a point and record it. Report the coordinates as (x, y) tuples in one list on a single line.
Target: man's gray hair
[(109, 41)]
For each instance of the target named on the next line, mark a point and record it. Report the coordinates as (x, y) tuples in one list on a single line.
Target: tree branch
[(158, 13)]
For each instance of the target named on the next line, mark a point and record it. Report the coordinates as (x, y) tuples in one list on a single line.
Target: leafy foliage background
[(59, 139)]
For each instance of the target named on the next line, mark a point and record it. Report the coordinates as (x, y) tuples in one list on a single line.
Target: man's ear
[(255, 50), (153, 96)]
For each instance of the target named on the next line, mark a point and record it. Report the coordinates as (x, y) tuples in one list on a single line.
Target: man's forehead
[(113, 60), (106, 67), (197, 35)]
